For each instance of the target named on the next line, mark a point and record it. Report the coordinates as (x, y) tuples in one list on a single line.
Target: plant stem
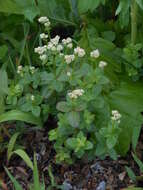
[(134, 10)]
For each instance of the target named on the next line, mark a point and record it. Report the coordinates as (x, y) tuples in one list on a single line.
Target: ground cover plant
[(79, 64)]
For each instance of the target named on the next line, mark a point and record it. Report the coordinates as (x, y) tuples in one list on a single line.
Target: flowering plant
[(75, 81)]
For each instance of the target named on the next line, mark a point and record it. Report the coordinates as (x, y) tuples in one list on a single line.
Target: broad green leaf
[(63, 107), (84, 5), (36, 175), (17, 115), (25, 157), (14, 181), (11, 145), (111, 141), (73, 118)]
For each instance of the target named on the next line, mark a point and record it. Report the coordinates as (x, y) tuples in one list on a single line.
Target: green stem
[(134, 10)]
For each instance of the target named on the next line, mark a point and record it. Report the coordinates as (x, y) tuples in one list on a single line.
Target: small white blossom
[(43, 57), (59, 47), (43, 20), (67, 41), (19, 69), (69, 58), (50, 45), (43, 36), (32, 97), (102, 64), (95, 53), (79, 51), (116, 116), (70, 45), (53, 48), (47, 24), (68, 74), (76, 93), (55, 40), (41, 49)]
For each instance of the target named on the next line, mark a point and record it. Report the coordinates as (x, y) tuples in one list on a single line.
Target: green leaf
[(140, 3), (36, 111), (11, 145), (131, 174), (3, 82), (17, 115), (14, 181), (111, 141), (63, 107), (140, 164), (25, 157), (84, 5), (73, 118), (3, 51), (36, 175)]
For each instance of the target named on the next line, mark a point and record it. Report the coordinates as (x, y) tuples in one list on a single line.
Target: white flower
[(116, 116), (32, 69), (47, 24), (19, 69), (32, 97), (55, 40), (53, 48), (69, 58), (59, 47), (43, 57), (43, 36), (76, 93), (41, 49), (67, 41), (95, 53), (79, 51), (70, 45), (68, 74), (43, 20), (102, 64), (50, 45)]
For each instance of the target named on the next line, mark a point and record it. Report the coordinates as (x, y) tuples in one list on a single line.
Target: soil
[(96, 175)]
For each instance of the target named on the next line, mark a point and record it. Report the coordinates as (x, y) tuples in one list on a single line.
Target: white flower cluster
[(44, 20), (76, 93), (79, 51), (43, 36), (116, 116), (54, 45), (41, 49), (68, 42), (102, 64), (95, 53), (69, 58), (19, 69)]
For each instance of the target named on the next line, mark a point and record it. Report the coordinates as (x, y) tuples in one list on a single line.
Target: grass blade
[(17, 115)]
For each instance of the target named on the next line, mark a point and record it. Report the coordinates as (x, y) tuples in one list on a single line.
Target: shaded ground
[(97, 175)]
